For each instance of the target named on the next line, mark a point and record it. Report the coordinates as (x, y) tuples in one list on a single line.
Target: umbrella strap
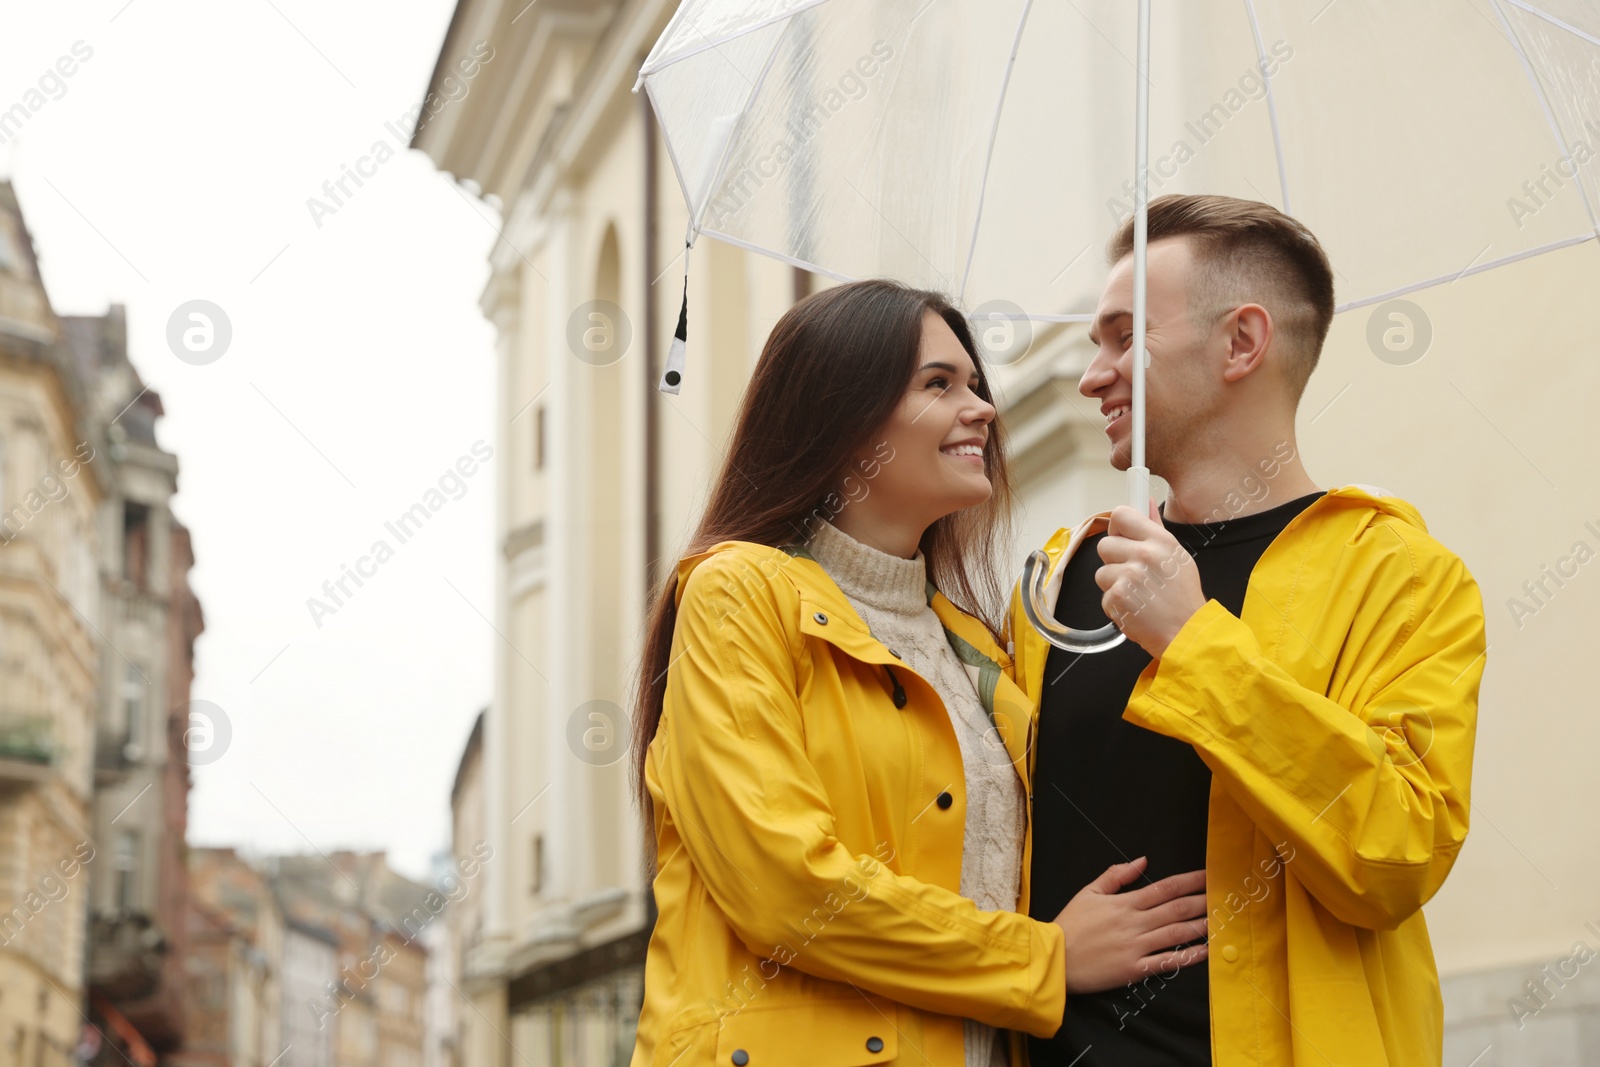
[(672, 377)]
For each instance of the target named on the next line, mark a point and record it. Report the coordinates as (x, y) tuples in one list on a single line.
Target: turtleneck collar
[(875, 578)]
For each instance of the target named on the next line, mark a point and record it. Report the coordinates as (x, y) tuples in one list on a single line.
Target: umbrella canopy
[(985, 147)]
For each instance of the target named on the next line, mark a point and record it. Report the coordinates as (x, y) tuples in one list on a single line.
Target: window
[(126, 861), (134, 685), (538, 438), (135, 542), (538, 864)]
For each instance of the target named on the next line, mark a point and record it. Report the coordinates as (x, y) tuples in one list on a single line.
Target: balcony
[(114, 757), (131, 967), (28, 748), (126, 952)]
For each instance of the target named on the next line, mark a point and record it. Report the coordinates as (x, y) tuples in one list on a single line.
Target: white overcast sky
[(176, 166)]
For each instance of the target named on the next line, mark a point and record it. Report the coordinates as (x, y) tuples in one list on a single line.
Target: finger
[(1118, 875), (1106, 577), (1179, 909), (1112, 610), (1115, 549), (1169, 962), (1127, 522), (1155, 512), (1176, 885), (1172, 935), (1152, 551)]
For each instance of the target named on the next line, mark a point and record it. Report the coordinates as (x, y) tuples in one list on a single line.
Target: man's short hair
[(1248, 252)]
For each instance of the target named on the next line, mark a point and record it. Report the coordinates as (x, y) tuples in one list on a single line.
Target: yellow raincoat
[(1337, 715), (809, 813)]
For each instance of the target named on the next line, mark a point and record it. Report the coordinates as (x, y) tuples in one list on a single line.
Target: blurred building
[(601, 479), (441, 1009), (305, 961), (235, 988), (93, 578), (310, 967), (372, 1008), (149, 621), (50, 662), (452, 988)]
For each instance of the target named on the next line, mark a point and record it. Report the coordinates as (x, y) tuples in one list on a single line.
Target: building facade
[(310, 966), (305, 961), (373, 1008), (50, 662), (235, 986), (149, 621)]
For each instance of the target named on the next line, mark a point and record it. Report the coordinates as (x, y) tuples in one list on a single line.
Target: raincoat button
[(874, 1044), (1230, 953), (823, 620), (895, 654), (945, 800), (740, 1057)]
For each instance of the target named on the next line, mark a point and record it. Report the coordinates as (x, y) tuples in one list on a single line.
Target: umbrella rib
[(1552, 20), (988, 159), (770, 253), (678, 57), (733, 135), (677, 168), (1515, 257), (666, 34), (1272, 106), (1544, 103)]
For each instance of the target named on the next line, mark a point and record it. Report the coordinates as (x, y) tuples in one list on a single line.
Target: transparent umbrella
[(989, 148)]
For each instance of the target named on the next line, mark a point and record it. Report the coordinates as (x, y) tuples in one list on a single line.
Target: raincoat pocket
[(842, 1032)]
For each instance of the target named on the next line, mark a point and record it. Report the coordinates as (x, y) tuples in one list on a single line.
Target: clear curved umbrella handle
[(1034, 572)]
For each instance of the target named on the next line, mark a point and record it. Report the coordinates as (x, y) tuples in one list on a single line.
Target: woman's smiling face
[(930, 453)]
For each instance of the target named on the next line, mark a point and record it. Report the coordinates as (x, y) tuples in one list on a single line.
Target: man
[(1294, 708)]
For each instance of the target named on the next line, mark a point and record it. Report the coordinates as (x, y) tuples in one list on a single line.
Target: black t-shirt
[(1106, 792)]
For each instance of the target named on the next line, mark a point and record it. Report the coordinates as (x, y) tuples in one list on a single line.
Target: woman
[(829, 750)]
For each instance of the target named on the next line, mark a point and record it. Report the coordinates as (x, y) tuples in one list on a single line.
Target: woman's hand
[(1114, 938)]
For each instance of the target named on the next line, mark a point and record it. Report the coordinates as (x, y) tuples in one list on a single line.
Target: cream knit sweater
[(890, 594)]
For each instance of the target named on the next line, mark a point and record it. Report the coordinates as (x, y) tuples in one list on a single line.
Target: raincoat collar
[(1358, 501), (1006, 704), (1355, 495)]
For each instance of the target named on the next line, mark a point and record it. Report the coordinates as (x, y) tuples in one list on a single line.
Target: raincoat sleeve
[(754, 819), (1368, 803)]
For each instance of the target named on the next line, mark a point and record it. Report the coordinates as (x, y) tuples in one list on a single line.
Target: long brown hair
[(834, 369)]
